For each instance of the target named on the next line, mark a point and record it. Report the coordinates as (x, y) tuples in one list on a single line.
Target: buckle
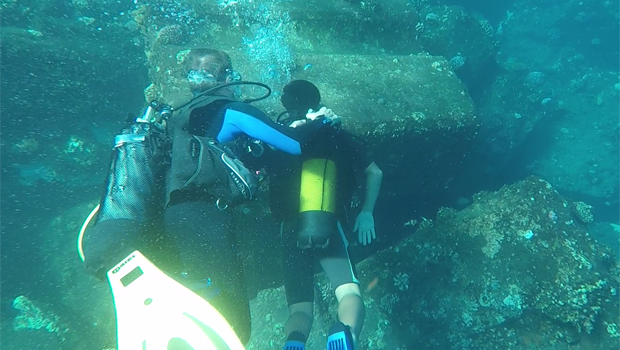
[(219, 206)]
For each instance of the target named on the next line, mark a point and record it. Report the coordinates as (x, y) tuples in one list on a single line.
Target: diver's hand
[(329, 117), (319, 121), (312, 115), (298, 123), (365, 227)]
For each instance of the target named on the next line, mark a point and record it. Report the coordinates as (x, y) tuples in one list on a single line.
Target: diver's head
[(208, 68), (299, 96)]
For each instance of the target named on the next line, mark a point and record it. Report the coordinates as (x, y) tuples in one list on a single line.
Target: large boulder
[(468, 43), (412, 110), (515, 268)]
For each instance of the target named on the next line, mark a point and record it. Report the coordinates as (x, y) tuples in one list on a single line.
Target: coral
[(534, 79), (31, 317), (612, 329), (80, 152), (31, 174), (151, 93), (583, 212), (457, 62), (401, 281), (81, 4), (74, 145), (387, 303), (141, 15), (171, 35), (26, 145)]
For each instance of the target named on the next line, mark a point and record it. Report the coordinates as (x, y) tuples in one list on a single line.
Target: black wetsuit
[(203, 234), (351, 158)]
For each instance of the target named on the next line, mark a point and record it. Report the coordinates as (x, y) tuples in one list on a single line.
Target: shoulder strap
[(181, 115)]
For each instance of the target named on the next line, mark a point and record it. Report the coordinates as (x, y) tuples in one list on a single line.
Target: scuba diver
[(179, 172), (309, 195)]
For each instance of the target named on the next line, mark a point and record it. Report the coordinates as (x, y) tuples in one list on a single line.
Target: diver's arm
[(241, 118), (374, 177), (355, 148), (365, 221)]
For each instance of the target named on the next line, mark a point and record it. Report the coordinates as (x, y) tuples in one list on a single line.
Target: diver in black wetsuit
[(198, 188), (311, 195)]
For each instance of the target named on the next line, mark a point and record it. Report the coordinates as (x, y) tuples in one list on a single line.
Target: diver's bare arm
[(374, 177)]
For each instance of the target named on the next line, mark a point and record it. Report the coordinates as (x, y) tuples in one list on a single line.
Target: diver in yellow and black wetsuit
[(309, 195)]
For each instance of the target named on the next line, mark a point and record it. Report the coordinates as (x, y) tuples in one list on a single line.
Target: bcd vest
[(200, 163)]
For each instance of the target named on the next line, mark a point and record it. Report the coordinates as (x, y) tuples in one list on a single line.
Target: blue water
[(563, 56)]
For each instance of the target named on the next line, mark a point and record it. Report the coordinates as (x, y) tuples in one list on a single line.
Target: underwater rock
[(270, 312), (424, 131), (511, 270), (34, 173), (452, 32)]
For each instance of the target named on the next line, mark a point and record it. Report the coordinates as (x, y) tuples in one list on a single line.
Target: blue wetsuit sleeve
[(242, 118)]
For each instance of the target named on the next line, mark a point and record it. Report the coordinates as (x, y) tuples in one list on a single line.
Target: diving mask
[(200, 76), (234, 75)]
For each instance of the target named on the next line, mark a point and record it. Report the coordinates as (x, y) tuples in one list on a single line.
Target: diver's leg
[(341, 273), (300, 319), (297, 268), (206, 246), (351, 309)]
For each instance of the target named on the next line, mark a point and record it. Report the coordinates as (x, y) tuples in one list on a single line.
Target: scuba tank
[(133, 191), (140, 159), (317, 203), (318, 181)]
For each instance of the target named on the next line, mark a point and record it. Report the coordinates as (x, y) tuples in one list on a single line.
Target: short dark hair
[(300, 96), (214, 61)]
